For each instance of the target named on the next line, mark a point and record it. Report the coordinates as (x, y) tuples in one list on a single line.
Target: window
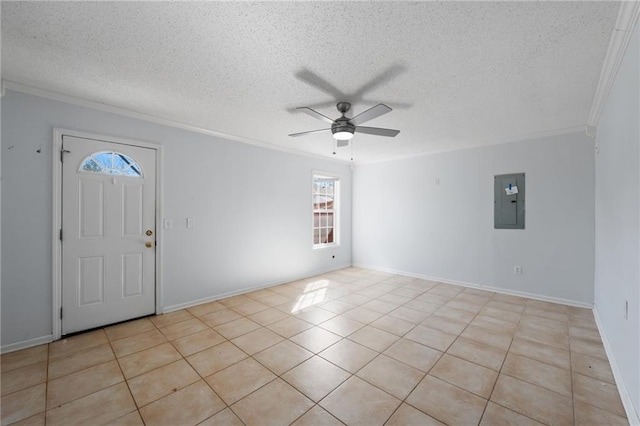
[(325, 216), (111, 163)]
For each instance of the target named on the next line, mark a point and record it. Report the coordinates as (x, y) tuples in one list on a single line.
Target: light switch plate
[(168, 224)]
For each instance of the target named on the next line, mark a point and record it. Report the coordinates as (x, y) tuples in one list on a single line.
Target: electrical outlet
[(190, 222), (517, 270)]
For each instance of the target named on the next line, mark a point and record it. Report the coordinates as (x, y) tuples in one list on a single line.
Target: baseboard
[(185, 305), (24, 344), (632, 415), (500, 290)]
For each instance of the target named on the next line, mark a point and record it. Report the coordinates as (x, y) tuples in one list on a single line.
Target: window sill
[(326, 246)]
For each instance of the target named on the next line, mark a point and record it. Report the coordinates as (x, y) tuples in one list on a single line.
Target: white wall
[(252, 210), (405, 221), (617, 261)]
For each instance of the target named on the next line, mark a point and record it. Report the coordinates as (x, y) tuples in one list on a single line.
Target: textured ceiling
[(457, 74)]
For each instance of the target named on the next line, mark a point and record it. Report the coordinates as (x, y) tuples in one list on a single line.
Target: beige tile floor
[(349, 347)]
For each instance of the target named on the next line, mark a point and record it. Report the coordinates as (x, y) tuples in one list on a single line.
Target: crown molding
[(620, 37), (483, 144), (42, 93)]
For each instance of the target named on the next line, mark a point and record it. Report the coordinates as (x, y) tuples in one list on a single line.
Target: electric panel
[(509, 206)]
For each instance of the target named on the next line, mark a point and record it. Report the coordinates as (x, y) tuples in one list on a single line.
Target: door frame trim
[(56, 180)]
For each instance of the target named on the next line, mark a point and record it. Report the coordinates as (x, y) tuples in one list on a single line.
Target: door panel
[(91, 203), (90, 287), (108, 272), (132, 214)]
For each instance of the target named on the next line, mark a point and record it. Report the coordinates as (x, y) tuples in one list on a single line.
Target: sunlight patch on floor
[(314, 294)]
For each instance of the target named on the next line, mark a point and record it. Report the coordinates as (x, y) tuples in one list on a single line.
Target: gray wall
[(252, 210), (405, 221), (617, 265)]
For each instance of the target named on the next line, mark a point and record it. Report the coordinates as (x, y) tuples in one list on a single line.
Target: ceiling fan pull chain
[(335, 146), (351, 144)]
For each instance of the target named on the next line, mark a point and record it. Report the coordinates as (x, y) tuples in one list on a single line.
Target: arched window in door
[(111, 163)]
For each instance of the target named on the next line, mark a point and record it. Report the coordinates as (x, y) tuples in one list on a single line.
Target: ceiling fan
[(343, 127)]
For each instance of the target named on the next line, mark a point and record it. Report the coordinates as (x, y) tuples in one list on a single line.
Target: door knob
[(148, 244), (149, 232)]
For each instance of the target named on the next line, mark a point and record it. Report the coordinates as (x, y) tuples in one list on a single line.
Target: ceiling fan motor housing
[(342, 124), (343, 107)]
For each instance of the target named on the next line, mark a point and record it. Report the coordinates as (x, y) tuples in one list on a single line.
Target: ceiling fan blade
[(377, 131), (370, 114), (323, 105), (316, 114), (306, 133)]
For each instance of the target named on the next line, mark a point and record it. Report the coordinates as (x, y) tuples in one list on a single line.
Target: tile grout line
[(84, 369), (441, 356), (337, 366), (124, 378), (380, 353), (190, 366), (550, 390), (353, 291), (493, 388)]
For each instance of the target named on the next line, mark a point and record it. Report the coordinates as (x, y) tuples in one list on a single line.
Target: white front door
[(108, 232)]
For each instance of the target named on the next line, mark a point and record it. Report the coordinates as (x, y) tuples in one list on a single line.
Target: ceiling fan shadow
[(312, 79), (379, 80), (327, 104)]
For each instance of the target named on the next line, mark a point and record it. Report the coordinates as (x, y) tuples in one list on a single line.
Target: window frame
[(112, 170), (335, 209)]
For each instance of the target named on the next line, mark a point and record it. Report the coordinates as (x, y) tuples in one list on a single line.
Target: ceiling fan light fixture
[(343, 135)]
